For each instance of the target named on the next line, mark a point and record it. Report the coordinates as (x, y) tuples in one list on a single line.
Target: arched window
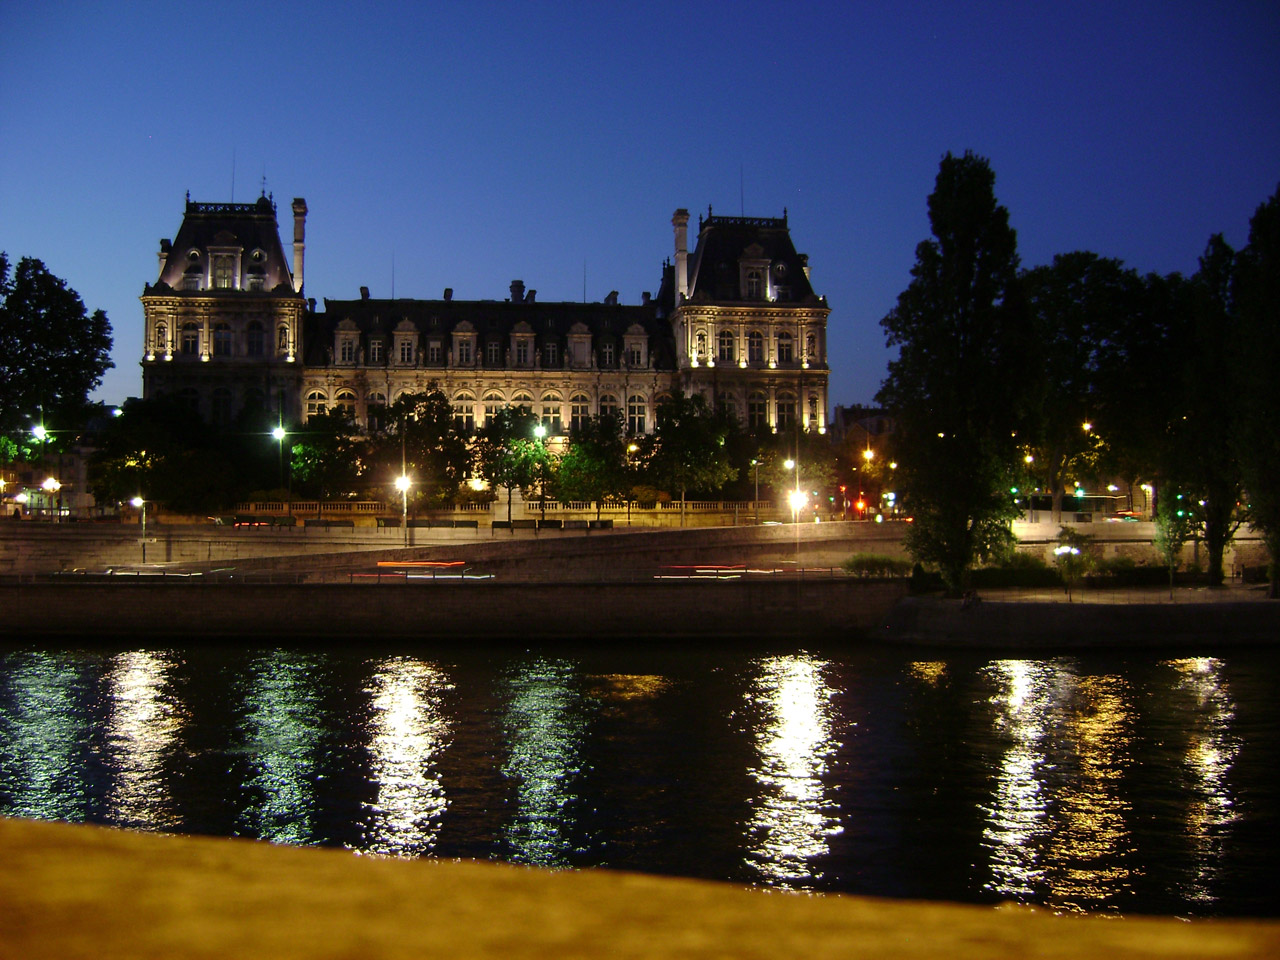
[(636, 407), (579, 412), (522, 401), (609, 405), (375, 411), (726, 346), (221, 340), (755, 347), (190, 339), (758, 411), (345, 404), (493, 402), (464, 413), (729, 407), (255, 339), (785, 347), (551, 407), (317, 403)]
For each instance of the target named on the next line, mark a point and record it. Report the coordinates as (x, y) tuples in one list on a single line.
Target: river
[(1125, 783)]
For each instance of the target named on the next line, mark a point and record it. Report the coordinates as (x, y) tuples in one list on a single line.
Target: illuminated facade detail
[(735, 320), (208, 314), (745, 292)]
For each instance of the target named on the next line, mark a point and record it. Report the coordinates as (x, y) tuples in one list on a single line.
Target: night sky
[(467, 145)]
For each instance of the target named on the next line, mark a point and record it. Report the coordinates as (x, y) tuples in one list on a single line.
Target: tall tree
[(959, 386), (508, 454), (594, 468), (420, 427), (687, 450), (1076, 304), (1257, 351), (53, 352)]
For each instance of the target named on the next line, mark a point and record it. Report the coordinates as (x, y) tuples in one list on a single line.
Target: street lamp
[(540, 434), (279, 434), (756, 504), (141, 504), (402, 484), (50, 487)]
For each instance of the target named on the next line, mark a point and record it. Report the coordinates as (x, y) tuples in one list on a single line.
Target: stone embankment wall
[(831, 609)]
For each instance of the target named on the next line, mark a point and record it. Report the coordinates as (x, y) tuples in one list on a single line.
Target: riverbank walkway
[(75, 892)]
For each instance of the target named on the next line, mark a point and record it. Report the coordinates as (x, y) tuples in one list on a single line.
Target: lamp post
[(540, 433), (279, 434), (402, 484), (755, 463), (142, 505)]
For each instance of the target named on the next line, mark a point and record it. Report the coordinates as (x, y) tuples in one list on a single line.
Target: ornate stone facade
[(737, 320)]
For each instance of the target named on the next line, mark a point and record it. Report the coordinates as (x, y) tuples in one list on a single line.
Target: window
[(190, 339), (375, 351), (345, 405), (347, 350), (609, 406), (635, 356), (522, 353), (189, 398), (522, 402), (730, 409), (221, 407), (191, 281), (786, 411), (406, 350), (493, 402), (757, 411), (464, 353), (221, 340), (550, 355), (223, 275), (256, 281), (606, 354), (784, 347), (755, 346), (755, 285), (635, 414), (464, 413), (579, 412), (551, 415), (316, 403), (492, 353), (375, 410), (255, 339), (726, 346)]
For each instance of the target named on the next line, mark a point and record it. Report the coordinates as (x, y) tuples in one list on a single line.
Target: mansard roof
[(723, 242), (249, 227), (547, 320)]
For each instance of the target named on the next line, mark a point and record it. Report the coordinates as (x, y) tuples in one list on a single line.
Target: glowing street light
[(141, 504), (402, 484)]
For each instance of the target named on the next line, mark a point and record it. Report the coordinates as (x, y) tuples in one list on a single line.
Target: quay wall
[(424, 610)]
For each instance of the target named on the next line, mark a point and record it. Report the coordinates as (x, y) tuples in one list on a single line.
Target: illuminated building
[(736, 320)]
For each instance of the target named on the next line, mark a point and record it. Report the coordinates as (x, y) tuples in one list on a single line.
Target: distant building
[(228, 328)]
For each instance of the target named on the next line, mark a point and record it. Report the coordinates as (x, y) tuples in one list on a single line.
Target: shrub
[(876, 565)]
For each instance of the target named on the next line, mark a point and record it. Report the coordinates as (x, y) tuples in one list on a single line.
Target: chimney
[(299, 235), (681, 222), (165, 247), (364, 293), (517, 291), (531, 296)]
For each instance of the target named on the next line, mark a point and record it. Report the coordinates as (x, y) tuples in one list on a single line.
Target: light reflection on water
[(544, 726), (1078, 783), (280, 733), (143, 729), (408, 733), (1210, 753), (793, 818)]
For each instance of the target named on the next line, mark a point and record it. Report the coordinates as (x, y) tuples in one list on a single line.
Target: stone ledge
[(78, 891)]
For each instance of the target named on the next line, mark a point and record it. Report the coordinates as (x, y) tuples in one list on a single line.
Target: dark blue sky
[(482, 142)]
